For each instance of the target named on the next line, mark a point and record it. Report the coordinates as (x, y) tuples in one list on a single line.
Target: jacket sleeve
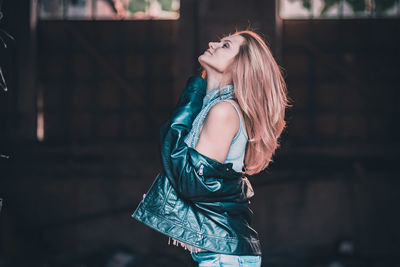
[(193, 175)]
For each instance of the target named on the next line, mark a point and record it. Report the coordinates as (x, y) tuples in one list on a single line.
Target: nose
[(211, 45)]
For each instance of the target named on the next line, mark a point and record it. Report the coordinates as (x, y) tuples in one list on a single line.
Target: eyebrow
[(227, 40)]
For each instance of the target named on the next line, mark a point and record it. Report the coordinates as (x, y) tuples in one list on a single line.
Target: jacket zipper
[(201, 169)]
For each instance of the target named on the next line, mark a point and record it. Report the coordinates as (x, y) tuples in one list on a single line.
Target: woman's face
[(220, 54)]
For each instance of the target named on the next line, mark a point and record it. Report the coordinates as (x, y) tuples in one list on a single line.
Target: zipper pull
[(201, 169)]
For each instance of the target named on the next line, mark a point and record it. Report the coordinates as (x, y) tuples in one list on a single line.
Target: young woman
[(226, 126)]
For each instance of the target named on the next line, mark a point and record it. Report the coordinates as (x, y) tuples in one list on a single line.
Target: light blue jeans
[(211, 259)]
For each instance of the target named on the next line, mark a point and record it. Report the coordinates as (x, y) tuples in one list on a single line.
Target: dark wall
[(343, 76), (104, 80), (18, 105), (104, 89)]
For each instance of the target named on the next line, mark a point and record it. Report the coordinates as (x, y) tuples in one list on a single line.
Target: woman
[(226, 126)]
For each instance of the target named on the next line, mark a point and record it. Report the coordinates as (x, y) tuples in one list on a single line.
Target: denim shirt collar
[(214, 93)]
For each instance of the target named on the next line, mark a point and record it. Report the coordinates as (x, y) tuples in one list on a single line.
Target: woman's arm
[(218, 130)]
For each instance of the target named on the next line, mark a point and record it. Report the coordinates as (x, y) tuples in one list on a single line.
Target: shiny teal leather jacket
[(195, 199)]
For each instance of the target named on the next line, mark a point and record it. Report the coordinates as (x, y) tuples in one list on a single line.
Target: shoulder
[(224, 112), (222, 119)]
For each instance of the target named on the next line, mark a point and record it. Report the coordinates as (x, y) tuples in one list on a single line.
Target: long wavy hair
[(260, 90)]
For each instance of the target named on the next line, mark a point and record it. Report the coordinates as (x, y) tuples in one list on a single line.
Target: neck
[(215, 80)]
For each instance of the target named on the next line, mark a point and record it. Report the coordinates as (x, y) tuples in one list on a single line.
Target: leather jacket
[(195, 199)]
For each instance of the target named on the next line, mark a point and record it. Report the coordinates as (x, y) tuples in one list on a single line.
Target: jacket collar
[(227, 90)]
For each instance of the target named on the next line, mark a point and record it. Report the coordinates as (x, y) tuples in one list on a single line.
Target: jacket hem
[(200, 236)]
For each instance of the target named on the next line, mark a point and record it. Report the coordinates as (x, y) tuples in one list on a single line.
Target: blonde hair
[(261, 93)]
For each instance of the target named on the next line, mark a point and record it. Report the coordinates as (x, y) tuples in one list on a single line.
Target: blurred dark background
[(86, 97)]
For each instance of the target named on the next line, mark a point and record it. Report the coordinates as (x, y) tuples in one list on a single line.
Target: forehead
[(234, 39)]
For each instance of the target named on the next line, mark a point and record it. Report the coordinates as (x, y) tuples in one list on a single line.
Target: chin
[(202, 56), (201, 60)]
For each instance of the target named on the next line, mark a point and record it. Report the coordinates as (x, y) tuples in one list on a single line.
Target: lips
[(208, 50)]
